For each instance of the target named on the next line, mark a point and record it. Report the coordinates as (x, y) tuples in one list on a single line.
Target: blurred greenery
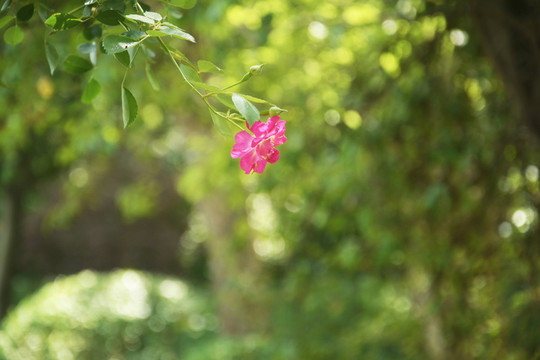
[(400, 222), (92, 315)]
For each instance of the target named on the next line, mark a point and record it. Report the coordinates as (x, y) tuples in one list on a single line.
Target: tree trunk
[(9, 220), (510, 34), (235, 271)]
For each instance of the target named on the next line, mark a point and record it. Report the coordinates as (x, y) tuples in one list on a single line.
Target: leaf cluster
[(127, 30)]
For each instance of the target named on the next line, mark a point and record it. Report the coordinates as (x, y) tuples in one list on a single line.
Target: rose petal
[(247, 162), (260, 165), (242, 146), (278, 130), (258, 128), (256, 151), (265, 148), (278, 140), (273, 157), (272, 122)]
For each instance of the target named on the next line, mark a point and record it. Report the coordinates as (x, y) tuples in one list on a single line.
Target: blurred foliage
[(401, 219), (390, 223), (122, 315)]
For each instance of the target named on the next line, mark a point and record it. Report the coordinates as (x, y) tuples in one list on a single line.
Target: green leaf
[(5, 20), (43, 12), (256, 100), (247, 109), (182, 56), (62, 22), (25, 13), (92, 32), (5, 5), (90, 2), (52, 56), (13, 35), (90, 92), (222, 125), (129, 107), (226, 100), (118, 5), (184, 4), (109, 17), (176, 32), (201, 85), (189, 74), (151, 78), (87, 11), (77, 65), (117, 43), (153, 15), (140, 18), (86, 48), (132, 51), (93, 56), (124, 58), (207, 66), (150, 54), (134, 34), (144, 6), (165, 30)]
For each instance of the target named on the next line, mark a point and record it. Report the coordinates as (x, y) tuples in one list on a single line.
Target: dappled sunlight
[(268, 243), (106, 315), (398, 218)]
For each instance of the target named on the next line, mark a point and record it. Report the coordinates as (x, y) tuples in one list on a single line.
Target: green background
[(399, 223)]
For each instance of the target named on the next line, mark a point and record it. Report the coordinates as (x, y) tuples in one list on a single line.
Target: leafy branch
[(101, 19)]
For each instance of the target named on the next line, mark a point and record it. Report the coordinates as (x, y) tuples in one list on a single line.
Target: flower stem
[(77, 9), (212, 109)]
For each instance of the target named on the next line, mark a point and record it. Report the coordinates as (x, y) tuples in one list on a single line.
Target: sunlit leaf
[(226, 100), (189, 74), (151, 77), (5, 5), (117, 43), (5, 20), (221, 124), (153, 15), (179, 55), (247, 109), (207, 66), (52, 56), (256, 100), (60, 21), (165, 30), (13, 35), (134, 34), (129, 107), (201, 85), (140, 18), (86, 48), (90, 92)]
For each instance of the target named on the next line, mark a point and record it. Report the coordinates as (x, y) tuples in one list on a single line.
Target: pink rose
[(256, 151)]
